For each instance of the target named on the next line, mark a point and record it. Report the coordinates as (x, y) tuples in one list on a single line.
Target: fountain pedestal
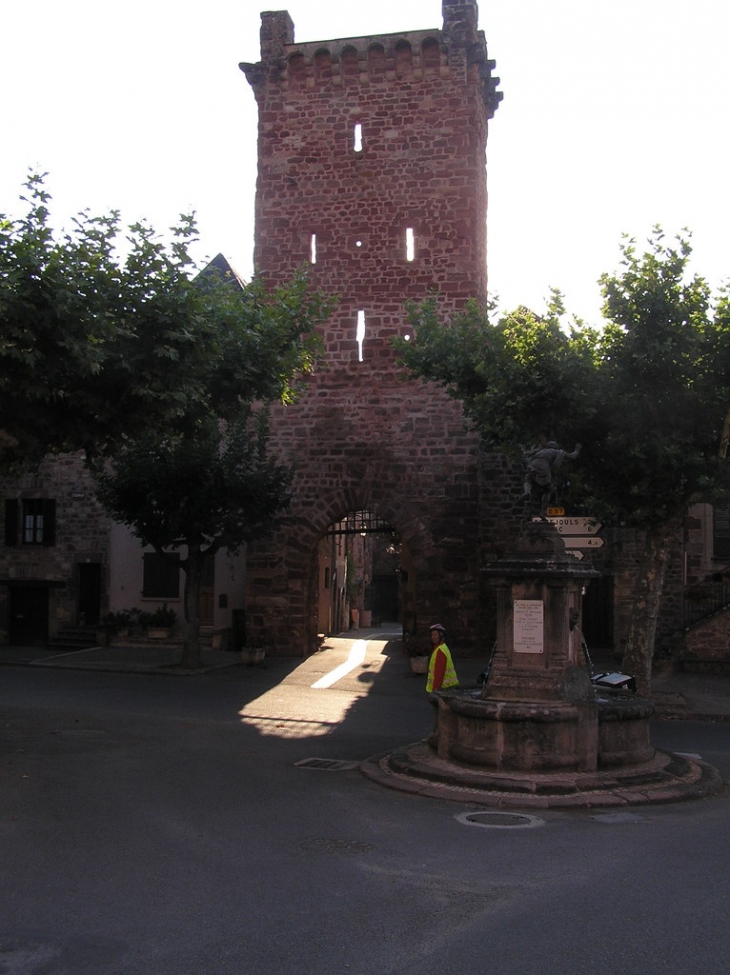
[(539, 710), (538, 734)]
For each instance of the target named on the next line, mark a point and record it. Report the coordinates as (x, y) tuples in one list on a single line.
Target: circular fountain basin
[(610, 731)]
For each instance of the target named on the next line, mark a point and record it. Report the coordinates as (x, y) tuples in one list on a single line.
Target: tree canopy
[(217, 486), (106, 333), (160, 375), (647, 393)]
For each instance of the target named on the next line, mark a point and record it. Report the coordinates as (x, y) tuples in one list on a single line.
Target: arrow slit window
[(360, 334)]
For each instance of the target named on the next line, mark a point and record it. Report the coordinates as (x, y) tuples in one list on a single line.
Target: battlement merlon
[(463, 48), (460, 21), (277, 33)]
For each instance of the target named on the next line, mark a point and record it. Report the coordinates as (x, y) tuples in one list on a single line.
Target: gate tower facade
[(372, 170)]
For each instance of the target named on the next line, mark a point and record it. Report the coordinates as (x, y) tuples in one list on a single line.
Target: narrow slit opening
[(313, 249), (360, 334), (357, 137), (410, 244)]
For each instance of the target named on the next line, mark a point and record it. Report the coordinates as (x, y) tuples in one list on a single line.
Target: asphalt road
[(161, 826)]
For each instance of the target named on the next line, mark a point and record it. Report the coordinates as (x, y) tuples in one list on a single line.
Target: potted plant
[(253, 656), (160, 622), (419, 663), (117, 624), (419, 656)]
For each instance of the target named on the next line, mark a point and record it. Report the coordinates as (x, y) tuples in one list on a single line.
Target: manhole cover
[(500, 820), (326, 764)]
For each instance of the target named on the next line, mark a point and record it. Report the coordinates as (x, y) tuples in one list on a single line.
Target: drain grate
[(326, 764), (500, 820)]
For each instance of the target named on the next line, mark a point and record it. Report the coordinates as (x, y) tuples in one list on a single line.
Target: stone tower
[(372, 170)]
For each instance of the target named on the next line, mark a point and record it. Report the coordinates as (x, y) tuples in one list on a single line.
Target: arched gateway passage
[(364, 575)]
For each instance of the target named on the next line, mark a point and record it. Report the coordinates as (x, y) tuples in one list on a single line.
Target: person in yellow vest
[(441, 673)]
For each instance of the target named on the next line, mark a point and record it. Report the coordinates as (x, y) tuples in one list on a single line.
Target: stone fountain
[(539, 732)]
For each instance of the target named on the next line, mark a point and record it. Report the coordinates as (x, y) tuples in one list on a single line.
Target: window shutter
[(49, 522), (161, 576), (721, 535), (12, 514)]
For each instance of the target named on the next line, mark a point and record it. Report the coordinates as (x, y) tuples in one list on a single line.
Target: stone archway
[(283, 577), (364, 575)]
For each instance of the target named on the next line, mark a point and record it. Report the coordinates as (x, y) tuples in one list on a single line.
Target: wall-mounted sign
[(528, 626)]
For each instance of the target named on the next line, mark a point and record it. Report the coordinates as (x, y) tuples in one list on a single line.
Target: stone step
[(76, 637)]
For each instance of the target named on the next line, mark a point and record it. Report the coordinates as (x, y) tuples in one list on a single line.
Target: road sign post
[(579, 533)]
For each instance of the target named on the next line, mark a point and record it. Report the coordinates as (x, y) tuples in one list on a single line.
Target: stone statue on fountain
[(541, 466)]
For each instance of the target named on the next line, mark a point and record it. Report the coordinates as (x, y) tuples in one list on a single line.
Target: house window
[(33, 522), (30, 521), (161, 576)]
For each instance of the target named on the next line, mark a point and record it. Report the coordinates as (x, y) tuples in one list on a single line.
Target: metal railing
[(707, 597)]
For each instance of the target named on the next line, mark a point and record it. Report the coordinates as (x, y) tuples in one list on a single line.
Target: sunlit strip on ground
[(289, 727), (355, 658)]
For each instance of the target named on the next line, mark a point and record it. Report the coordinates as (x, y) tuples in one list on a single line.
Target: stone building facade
[(372, 171), (54, 561), (65, 565)]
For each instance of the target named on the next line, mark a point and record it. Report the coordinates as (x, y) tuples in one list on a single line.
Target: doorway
[(28, 623), (89, 593), (598, 613)]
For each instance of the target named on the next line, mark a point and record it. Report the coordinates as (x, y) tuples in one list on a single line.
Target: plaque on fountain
[(528, 626)]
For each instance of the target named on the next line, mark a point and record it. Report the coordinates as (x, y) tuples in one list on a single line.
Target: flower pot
[(253, 655), (366, 618), (159, 632), (419, 665)]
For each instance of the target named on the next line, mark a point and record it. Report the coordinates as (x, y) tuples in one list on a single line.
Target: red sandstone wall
[(360, 437)]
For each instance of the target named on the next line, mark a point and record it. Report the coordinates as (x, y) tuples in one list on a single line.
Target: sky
[(614, 119)]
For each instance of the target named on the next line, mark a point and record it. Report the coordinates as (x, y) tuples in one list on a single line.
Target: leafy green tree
[(664, 390), (153, 372), (215, 486), (646, 395), (95, 346)]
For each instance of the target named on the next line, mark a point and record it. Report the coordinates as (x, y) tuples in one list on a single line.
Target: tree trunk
[(193, 566), (639, 651)]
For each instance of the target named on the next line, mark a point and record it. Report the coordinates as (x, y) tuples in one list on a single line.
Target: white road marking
[(354, 659)]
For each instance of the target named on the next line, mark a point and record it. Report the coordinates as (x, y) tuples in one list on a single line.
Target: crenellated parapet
[(459, 49)]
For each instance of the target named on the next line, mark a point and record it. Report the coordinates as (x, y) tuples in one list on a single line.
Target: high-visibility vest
[(450, 678)]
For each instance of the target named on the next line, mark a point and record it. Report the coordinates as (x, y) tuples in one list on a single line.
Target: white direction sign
[(583, 541), (580, 525)]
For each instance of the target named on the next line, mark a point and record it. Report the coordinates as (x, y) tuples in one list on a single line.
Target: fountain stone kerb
[(539, 711)]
